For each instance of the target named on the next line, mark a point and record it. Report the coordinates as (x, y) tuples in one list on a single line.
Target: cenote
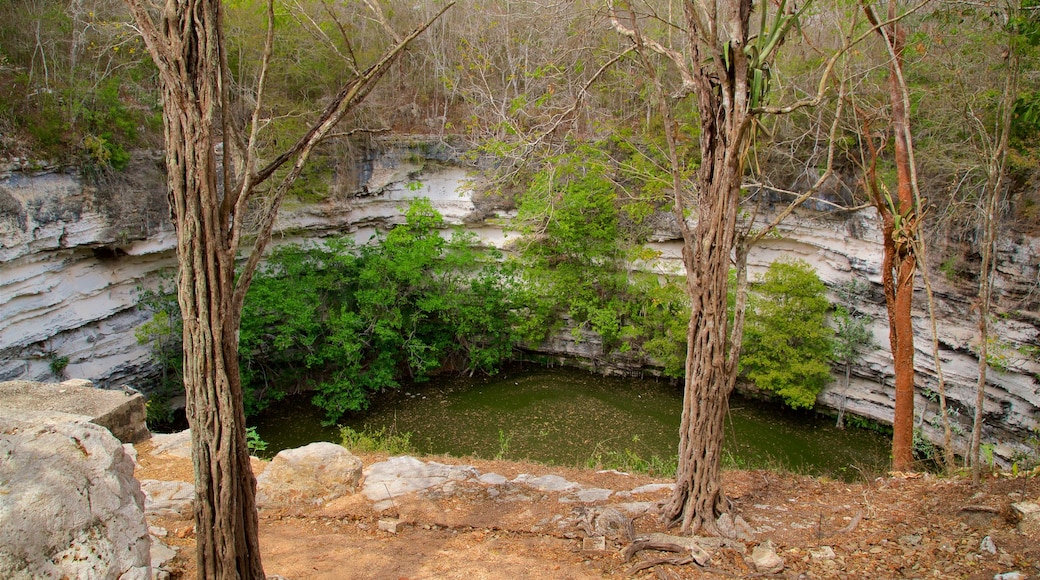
[(570, 417)]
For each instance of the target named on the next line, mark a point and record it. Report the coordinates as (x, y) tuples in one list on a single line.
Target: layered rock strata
[(73, 255)]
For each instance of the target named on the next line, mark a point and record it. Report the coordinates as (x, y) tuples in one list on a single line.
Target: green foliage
[(57, 365), (630, 461), (254, 442), (580, 240), (382, 441), (504, 439), (353, 320), (926, 452), (163, 334), (851, 329), (77, 82), (787, 343)]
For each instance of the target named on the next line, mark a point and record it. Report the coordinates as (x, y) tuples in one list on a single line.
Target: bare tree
[(214, 171), (726, 69), (993, 145)]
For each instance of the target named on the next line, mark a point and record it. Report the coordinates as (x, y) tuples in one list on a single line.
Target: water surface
[(566, 416)]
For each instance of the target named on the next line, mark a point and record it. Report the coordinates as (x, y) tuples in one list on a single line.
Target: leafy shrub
[(352, 321), (580, 240), (788, 345), (381, 441)]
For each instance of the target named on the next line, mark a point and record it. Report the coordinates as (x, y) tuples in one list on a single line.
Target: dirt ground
[(899, 526)]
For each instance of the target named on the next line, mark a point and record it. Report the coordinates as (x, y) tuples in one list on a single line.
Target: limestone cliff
[(73, 251)]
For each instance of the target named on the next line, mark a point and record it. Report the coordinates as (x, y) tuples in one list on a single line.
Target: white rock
[(401, 475), (493, 479), (71, 506), (316, 473), (176, 444), (765, 559), (168, 498), (822, 553), (546, 482), (653, 488)]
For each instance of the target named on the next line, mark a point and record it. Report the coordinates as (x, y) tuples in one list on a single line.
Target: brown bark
[(899, 228), (225, 509), (698, 498), (187, 45)]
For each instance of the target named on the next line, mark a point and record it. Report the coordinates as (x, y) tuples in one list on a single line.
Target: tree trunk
[(225, 508), (698, 498), (186, 42), (716, 71), (899, 229), (996, 163), (902, 329)]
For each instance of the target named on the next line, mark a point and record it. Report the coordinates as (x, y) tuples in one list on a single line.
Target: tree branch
[(349, 96)]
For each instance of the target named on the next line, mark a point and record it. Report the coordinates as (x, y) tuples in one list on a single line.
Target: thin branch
[(832, 140), (358, 87), (828, 69), (239, 196), (688, 83), (318, 34), (348, 97)]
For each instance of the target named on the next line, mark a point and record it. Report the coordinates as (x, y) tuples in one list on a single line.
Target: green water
[(565, 416)]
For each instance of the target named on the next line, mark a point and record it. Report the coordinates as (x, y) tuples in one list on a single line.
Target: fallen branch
[(636, 547), (645, 564), (851, 525)]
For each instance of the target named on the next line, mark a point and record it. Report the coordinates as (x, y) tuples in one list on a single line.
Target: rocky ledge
[(372, 516)]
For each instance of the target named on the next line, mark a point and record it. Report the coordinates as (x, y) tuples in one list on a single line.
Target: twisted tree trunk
[(225, 507), (186, 42)]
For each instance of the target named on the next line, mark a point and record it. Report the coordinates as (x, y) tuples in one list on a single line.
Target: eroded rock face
[(72, 254), (71, 507)]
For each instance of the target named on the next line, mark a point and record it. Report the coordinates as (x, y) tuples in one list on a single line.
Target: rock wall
[(75, 252), (72, 254)]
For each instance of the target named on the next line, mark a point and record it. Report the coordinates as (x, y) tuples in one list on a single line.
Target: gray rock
[(401, 475), (588, 495), (611, 523), (765, 559), (546, 482), (316, 473), (734, 528), (71, 506), (176, 444), (653, 488), (168, 498), (1029, 522), (1009, 576), (493, 479), (161, 554), (987, 546)]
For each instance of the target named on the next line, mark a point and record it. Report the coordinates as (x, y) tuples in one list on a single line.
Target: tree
[(726, 69), (788, 345), (900, 228), (215, 171), (851, 335), (994, 146)]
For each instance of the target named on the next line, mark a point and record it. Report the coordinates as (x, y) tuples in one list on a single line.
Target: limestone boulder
[(70, 507), (172, 499), (315, 473)]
